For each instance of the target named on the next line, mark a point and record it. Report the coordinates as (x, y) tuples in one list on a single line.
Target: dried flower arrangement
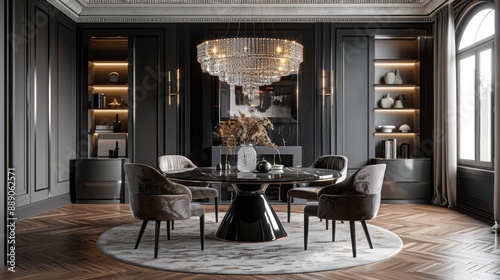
[(245, 129)]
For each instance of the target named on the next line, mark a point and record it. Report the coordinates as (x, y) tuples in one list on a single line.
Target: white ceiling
[(249, 10)]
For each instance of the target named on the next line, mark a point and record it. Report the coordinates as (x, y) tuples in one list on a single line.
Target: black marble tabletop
[(286, 175)]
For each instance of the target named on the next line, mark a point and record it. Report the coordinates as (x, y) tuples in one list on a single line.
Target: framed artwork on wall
[(277, 101)]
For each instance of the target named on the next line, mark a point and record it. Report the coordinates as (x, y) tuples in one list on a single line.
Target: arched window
[(475, 57)]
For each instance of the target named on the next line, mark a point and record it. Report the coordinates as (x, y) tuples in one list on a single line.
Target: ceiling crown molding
[(248, 10)]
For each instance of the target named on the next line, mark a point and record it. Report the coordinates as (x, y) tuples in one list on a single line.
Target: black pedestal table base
[(250, 217)]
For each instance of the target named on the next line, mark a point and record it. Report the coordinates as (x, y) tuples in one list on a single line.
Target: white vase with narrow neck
[(397, 78), (247, 158), (387, 101)]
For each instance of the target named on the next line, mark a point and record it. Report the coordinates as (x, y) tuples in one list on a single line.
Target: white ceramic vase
[(247, 158), (386, 102), (397, 79), (398, 104), (389, 78)]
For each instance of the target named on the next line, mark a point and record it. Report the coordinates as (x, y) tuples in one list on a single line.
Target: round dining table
[(250, 217)]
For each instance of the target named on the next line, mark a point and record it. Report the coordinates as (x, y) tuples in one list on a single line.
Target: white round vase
[(387, 101), (389, 78), (247, 158)]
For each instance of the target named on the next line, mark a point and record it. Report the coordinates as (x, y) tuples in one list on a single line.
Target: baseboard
[(36, 208)]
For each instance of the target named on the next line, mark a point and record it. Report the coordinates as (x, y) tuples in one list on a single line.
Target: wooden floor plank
[(439, 243)]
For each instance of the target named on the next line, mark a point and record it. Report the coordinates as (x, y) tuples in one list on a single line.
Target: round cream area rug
[(182, 252)]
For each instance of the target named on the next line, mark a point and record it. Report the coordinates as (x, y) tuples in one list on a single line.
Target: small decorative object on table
[(245, 131), (263, 166)]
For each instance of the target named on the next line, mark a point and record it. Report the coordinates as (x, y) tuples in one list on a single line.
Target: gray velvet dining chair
[(310, 191), (355, 199), (175, 163), (155, 198)]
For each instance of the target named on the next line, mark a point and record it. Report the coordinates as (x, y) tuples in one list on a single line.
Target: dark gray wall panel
[(146, 100), (353, 101), (63, 115), (18, 84), (172, 110), (40, 101), (3, 124)]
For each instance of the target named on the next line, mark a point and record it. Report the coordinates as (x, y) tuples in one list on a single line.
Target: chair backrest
[(357, 198), (154, 197), (335, 162), (172, 162), (369, 179)]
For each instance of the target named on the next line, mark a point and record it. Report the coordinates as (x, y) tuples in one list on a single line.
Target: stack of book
[(389, 148), (101, 128)]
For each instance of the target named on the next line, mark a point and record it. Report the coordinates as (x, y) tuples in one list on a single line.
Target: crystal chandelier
[(250, 62)]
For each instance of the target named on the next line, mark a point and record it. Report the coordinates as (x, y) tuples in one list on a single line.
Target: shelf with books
[(108, 91)]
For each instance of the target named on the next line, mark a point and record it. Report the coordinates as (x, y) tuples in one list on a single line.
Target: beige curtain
[(445, 111), (496, 184)]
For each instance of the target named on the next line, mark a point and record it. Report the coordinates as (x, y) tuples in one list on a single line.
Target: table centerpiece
[(245, 131)]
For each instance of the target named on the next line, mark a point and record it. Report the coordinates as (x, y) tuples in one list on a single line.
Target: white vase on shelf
[(397, 79), (389, 78), (398, 104), (247, 158), (387, 101)]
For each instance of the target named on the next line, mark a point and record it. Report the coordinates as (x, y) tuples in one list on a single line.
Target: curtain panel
[(445, 111), (496, 163)]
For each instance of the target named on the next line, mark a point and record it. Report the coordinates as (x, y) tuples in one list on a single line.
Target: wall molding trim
[(88, 11)]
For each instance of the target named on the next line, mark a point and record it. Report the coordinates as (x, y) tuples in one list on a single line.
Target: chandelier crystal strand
[(250, 62)]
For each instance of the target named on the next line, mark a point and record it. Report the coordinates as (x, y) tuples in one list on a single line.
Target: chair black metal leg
[(289, 207), (172, 224), (326, 220), (306, 230), (202, 231), (365, 228), (143, 227), (168, 229), (353, 237), (216, 210), (157, 237), (333, 230)]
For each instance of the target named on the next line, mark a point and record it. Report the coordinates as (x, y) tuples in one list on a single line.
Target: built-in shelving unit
[(402, 54), (108, 91), (407, 177)]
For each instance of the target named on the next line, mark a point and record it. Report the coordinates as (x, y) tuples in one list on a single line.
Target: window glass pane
[(466, 108), (479, 27), (485, 114)]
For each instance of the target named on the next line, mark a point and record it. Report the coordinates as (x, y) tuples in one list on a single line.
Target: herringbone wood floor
[(439, 243)]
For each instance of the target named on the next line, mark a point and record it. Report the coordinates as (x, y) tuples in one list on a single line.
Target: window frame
[(475, 49)]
